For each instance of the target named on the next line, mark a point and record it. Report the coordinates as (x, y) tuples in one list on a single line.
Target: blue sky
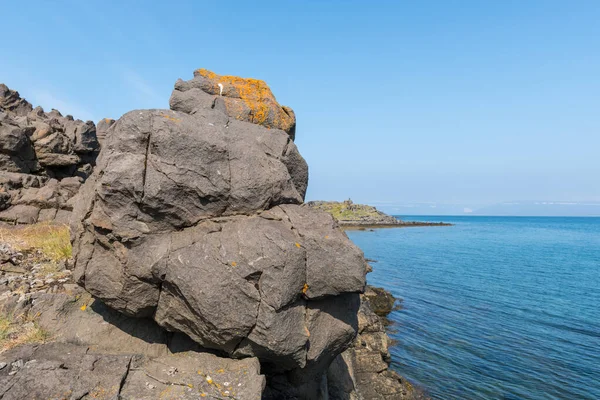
[(461, 103)]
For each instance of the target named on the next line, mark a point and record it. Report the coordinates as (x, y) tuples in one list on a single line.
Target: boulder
[(381, 301), (243, 99), (96, 352), (195, 219), (59, 371)]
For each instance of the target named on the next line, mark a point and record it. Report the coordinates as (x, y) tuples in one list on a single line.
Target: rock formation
[(362, 216), (44, 159), (205, 275), (195, 219), (242, 99), (362, 372)]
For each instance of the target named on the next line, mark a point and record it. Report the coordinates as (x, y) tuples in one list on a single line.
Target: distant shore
[(402, 224), (352, 216)]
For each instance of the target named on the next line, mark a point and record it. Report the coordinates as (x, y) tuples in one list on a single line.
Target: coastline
[(350, 216), (403, 224)]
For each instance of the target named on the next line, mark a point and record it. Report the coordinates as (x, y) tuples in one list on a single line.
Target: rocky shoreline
[(359, 216), (56, 329), (190, 267)]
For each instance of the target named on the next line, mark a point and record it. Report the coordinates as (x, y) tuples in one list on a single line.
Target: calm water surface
[(494, 307)]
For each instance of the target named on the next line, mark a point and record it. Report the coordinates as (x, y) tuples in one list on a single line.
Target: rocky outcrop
[(205, 275), (363, 372), (44, 159), (56, 341), (361, 216), (195, 219), (242, 99), (96, 352), (102, 128)]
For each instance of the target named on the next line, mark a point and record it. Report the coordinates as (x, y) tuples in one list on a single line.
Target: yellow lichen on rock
[(249, 99)]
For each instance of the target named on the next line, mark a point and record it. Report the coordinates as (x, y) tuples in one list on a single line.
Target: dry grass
[(21, 329), (52, 240)]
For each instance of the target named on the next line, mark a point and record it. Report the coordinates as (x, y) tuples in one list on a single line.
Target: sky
[(409, 106)]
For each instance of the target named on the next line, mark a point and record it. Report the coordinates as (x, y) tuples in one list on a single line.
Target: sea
[(493, 307)]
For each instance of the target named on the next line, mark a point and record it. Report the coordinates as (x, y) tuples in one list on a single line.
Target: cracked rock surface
[(44, 159), (95, 352), (195, 219), (242, 99)]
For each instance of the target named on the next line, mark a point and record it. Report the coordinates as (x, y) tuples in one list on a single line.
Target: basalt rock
[(363, 372), (243, 99), (44, 158), (102, 128), (96, 352), (195, 219)]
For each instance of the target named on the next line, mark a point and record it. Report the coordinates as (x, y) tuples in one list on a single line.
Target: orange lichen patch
[(233, 264), (256, 103), (165, 392), (107, 120), (298, 245), (202, 394), (206, 73), (83, 307), (307, 331), (305, 288), (327, 237), (170, 118), (220, 371), (101, 393)]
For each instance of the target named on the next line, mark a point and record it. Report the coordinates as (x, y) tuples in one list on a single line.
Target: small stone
[(2, 365)]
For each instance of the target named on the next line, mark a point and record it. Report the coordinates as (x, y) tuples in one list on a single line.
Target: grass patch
[(349, 211), (52, 240), (21, 329)]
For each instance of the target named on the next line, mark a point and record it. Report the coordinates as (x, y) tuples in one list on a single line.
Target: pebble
[(26, 278)]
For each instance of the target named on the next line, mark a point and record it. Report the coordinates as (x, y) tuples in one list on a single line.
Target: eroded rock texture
[(195, 219), (98, 353), (44, 159), (243, 99), (363, 372)]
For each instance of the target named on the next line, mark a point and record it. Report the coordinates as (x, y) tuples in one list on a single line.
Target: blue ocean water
[(494, 307)]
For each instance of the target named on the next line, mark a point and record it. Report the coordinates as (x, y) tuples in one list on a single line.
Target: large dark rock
[(61, 371), (195, 219), (39, 150), (96, 352)]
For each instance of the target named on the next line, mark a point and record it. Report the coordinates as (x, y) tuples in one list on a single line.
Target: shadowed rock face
[(243, 99), (195, 219), (44, 158), (124, 358)]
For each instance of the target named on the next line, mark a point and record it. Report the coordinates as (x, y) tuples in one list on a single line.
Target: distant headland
[(361, 216)]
